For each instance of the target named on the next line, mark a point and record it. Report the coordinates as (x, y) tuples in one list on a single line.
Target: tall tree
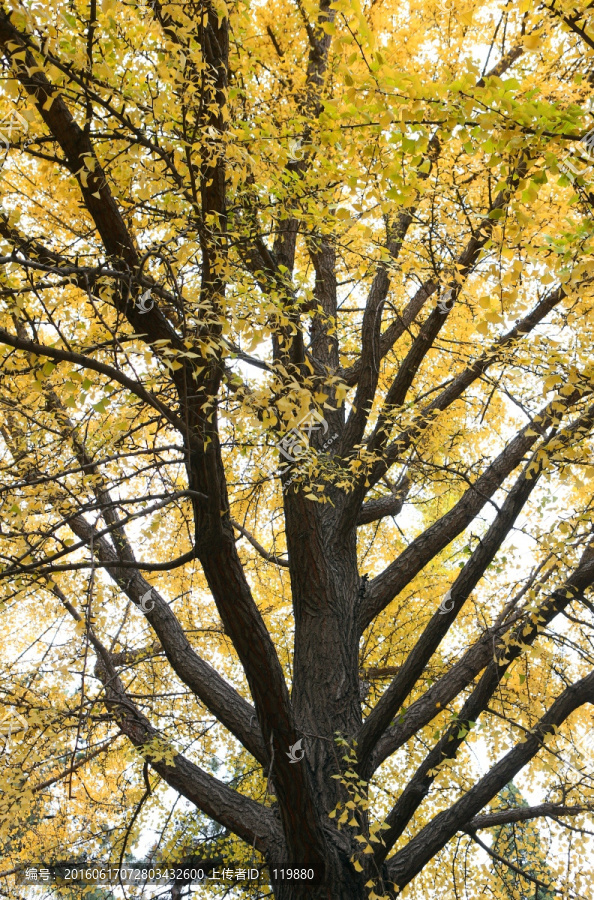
[(297, 412)]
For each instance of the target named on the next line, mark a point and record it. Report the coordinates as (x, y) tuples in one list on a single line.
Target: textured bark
[(333, 603), (325, 585)]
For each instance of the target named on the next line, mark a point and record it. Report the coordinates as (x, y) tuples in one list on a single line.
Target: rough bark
[(333, 603)]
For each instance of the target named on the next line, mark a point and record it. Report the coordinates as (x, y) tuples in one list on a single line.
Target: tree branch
[(461, 382), (494, 650), (442, 620), (399, 573), (253, 823), (523, 814), (269, 557), (384, 506), (381, 282), (571, 22), (217, 695), (409, 861), (87, 362), (430, 329), (506, 862)]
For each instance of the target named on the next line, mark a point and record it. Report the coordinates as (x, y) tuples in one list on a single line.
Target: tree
[(297, 431), (520, 845)]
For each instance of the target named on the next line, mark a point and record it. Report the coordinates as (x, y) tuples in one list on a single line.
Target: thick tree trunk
[(325, 691), (325, 584)]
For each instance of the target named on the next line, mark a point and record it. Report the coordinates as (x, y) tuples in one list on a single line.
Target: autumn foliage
[(296, 435)]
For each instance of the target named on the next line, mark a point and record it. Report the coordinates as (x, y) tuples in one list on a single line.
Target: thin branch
[(506, 862), (412, 560), (409, 861), (87, 362), (443, 619), (571, 22), (269, 557), (493, 650)]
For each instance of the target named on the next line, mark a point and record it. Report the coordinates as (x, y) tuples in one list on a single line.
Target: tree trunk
[(325, 691), (344, 884), (325, 584)]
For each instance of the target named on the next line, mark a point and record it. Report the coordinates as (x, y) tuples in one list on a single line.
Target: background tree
[(337, 237), (516, 850)]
